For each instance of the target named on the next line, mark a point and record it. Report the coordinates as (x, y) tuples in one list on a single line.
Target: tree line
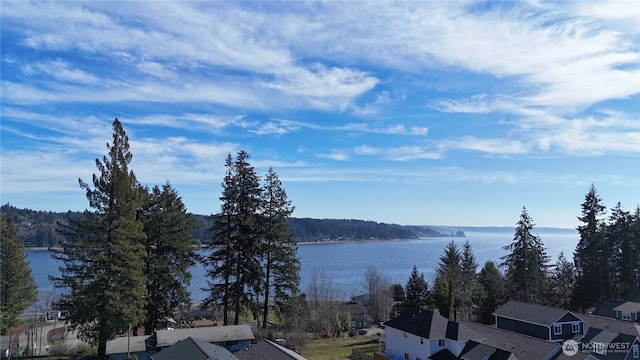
[(606, 264)]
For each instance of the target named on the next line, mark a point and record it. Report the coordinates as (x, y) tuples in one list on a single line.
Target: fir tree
[(469, 278), (280, 262), (17, 287), (170, 248), (103, 264), (562, 283), (417, 290), (448, 282), (492, 295), (591, 255), (526, 264)]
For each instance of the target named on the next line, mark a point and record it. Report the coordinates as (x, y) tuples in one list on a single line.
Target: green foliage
[(17, 286), (469, 279), (526, 264), (417, 290), (103, 265), (492, 291), (448, 283), (171, 252), (280, 264), (562, 283)]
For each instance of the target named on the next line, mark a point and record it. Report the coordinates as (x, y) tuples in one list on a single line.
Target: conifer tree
[(448, 281), (526, 264), (17, 287), (417, 290), (492, 285), (103, 264), (235, 266), (562, 283), (280, 262), (469, 278), (591, 255), (170, 248), (623, 244)]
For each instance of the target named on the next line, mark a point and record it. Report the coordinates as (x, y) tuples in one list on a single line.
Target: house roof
[(443, 354), (605, 307), (124, 344), (211, 334), (521, 346), (430, 325), (605, 323), (194, 349), (267, 350), (606, 337), (532, 313), (628, 306)]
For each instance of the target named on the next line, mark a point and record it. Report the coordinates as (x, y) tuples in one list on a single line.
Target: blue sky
[(448, 113)]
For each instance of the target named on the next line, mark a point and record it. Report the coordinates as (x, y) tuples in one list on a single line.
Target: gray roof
[(531, 313), (267, 350), (211, 334), (124, 344), (521, 346), (629, 306), (605, 307), (194, 349), (430, 325), (605, 323)]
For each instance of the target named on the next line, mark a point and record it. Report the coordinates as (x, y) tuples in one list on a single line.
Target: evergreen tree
[(448, 282), (281, 264), (170, 248), (17, 287), (492, 296), (469, 279), (103, 264), (235, 267), (623, 243), (417, 290), (562, 283), (591, 255), (526, 264)]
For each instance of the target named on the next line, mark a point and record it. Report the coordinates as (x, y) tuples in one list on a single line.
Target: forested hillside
[(37, 228)]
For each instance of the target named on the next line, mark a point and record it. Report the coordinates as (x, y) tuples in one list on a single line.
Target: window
[(421, 341), (406, 356), (636, 352), (441, 342), (575, 328), (557, 329), (626, 316), (600, 348)]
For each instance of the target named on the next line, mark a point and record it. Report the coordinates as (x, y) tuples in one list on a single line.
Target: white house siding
[(397, 344)]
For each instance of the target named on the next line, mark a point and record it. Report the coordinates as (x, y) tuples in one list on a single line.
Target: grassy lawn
[(333, 348)]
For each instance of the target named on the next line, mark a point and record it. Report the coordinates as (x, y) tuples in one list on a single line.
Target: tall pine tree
[(492, 295), (526, 264), (447, 286), (591, 255), (17, 286), (562, 283), (280, 262), (469, 279), (417, 290), (103, 263), (170, 248)]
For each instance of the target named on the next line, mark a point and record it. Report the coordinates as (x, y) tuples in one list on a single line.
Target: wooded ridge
[(38, 228)]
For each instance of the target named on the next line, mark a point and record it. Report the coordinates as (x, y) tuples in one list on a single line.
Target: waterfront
[(345, 263)]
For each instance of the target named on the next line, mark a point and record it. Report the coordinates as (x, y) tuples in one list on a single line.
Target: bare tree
[(321, 299), (378, 287)]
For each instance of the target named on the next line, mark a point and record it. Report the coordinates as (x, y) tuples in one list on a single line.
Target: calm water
[(346, 263)]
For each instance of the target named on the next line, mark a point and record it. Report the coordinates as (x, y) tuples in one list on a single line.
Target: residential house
[(194, 349), (268, 350), (628, 311), (418, 334), (231, 337), (606, 344), (121, 347), (543, 322), (360, 318)]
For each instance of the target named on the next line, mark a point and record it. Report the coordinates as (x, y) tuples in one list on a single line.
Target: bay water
[(345, 263)]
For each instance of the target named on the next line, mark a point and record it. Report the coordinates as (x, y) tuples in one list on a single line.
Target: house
[(628, 311), (121, 347), (194, 349), (605, 308), (610, 324), (360, 318), (543, 322), (267, 350), (520, 346), (606, 344), (418, 334), (231, 337)]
